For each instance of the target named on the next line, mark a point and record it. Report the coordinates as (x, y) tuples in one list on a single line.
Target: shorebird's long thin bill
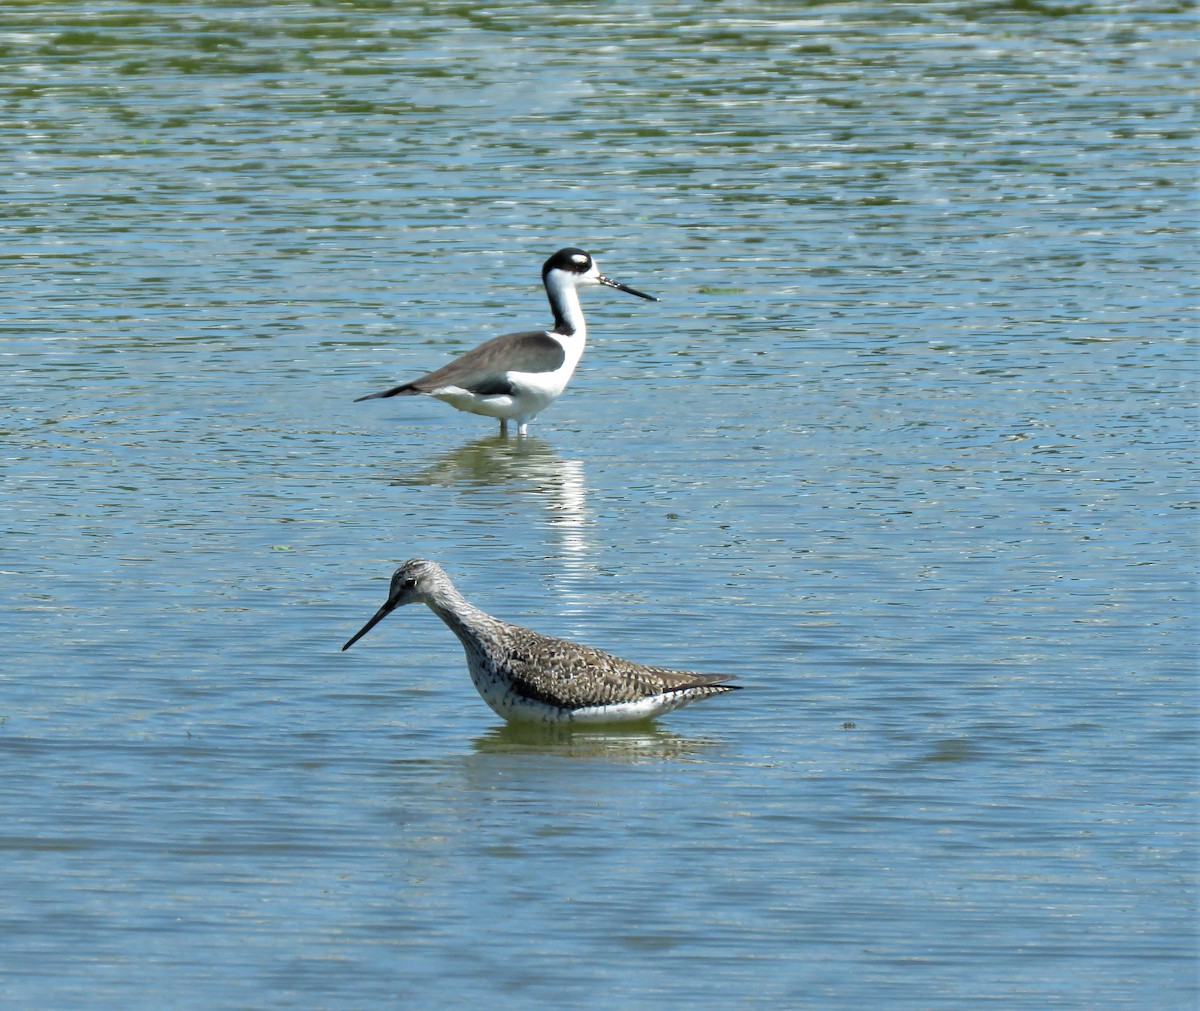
[(624, 287), (382, 613)]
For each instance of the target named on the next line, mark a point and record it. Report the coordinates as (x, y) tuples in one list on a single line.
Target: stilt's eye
[(581, 260)]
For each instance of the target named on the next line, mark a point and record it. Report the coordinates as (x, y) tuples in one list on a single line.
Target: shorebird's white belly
[(506, 703), (628, 712)]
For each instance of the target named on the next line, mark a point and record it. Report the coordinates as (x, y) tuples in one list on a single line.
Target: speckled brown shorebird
[(529, 677)]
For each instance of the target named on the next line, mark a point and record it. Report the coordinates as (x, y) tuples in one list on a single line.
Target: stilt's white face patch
[(581, 259)]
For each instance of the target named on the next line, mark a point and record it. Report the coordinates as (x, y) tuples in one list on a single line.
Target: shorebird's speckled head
[(413, 583)]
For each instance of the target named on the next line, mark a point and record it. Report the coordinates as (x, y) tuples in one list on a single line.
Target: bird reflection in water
[(528, 465), (491, 461), (630, 744)]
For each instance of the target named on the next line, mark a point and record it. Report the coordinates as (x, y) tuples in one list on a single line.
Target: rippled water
[(907, 445)]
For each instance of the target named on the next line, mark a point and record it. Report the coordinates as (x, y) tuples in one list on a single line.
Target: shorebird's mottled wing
[(569, 674)]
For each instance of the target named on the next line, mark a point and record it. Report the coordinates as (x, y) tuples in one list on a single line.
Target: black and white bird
[(527, 677), (516, 376)]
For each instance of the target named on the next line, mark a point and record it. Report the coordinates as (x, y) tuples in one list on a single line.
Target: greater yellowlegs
[(516, 376), (528, 677)]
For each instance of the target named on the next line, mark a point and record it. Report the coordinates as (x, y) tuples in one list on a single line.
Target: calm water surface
[(907, 445)]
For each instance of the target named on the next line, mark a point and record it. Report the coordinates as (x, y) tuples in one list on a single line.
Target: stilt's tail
[(395, 391)]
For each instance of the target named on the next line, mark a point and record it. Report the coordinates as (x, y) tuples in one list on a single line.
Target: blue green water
[(908, 446)]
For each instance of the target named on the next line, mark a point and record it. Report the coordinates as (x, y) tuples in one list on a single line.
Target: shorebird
[(529, 677), (517, 375)]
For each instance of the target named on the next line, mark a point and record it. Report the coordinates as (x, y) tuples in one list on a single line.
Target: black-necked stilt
[(517, 375), (528, 677)]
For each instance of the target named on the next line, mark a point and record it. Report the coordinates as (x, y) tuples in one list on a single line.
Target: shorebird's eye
[(581, 260)]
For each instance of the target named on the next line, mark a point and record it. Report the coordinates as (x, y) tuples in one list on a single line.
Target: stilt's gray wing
[(483, 368)]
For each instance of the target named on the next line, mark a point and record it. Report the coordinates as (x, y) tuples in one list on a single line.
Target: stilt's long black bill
[(624, 287), (382, 613)]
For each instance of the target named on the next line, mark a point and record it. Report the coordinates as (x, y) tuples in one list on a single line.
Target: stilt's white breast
[(537, 390)]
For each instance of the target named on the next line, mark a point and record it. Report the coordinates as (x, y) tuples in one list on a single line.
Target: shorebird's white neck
[(564, 301)]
